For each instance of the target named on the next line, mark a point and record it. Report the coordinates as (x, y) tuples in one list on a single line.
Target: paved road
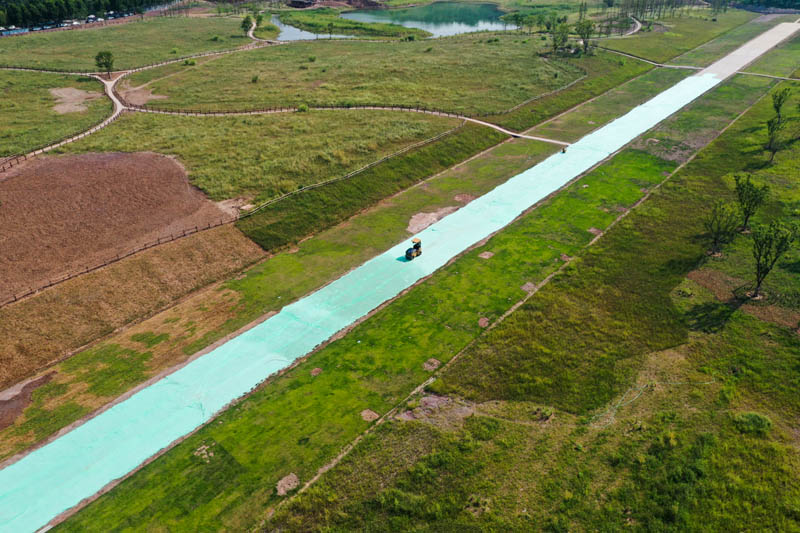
[(57, 476)]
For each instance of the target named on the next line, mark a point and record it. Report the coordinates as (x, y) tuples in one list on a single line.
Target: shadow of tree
[(711, 317)]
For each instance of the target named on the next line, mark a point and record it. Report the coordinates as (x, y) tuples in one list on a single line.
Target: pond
[(290, 33), (440, 18)]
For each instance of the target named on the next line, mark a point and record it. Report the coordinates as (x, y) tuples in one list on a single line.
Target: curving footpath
[(59, 475)]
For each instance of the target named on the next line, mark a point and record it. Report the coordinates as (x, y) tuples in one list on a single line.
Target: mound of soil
[(62, 214)]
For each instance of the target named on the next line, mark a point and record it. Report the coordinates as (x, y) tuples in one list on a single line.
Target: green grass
[(680, 35), (604, 71), (575, 124), (372, 367), (318, 21), (713, 50), (267, 30), (27, 114), (305, 213), (134, 44), (260, 157), (684, 455), (781, 61), (463, 74)]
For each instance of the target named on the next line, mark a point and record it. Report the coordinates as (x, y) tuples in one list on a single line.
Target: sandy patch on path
[(72, 100), (141, 95), (420, 221)]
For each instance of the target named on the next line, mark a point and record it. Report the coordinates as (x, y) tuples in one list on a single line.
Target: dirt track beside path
[(61, 214)]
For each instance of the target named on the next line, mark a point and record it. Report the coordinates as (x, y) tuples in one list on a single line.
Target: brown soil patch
[(565, 257), (11, 408), (464, 198), (369, 415), (483, 322), (723, 286), (439, 410), (431, 364), (235, 206), (141, 95), (54, 323), (595, 231), (528, 287), (59, 215), (287, 483), (316, 372), (486, 255), (72, 100), (420, 221)]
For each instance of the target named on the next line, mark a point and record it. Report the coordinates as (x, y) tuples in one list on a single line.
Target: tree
[(560, 35), (541, 21), (259, 20), (105, 62), (769, 245), (247, 23), (330, 30), (778, 99), (721, 224), (774, 143), (585, 29), (750, 196)]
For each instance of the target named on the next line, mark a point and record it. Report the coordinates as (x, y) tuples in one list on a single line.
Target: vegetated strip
[(287, 222), (15, 160)]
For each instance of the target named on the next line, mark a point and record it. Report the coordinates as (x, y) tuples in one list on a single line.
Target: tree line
[(24, 13)]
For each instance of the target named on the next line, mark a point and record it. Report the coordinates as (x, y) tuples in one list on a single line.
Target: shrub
[(311, 59), (752, 424), (173, 51), (189, 62), (216, 38), (302, 108), (254, 79)]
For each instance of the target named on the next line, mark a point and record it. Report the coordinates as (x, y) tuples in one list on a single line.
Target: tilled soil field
[(62, 214)]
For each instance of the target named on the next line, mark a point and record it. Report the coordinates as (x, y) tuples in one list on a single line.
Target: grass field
[(260, 157), (267, 30), (603, 70), (704, 55), (680, 35), (134, 44), (28, 115), (678, 451), (211, 314), (321, 21), (781, 61), (464, 74), (286, 426), (574, 125)]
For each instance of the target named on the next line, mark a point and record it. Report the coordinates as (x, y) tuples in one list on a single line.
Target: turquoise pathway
[(75, 466)]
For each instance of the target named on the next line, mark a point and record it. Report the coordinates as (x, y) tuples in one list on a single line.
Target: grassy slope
[(572, 126), (681, 35), (461, 74), (260, 157), (134, 44), (209, 315), (666, 456), (27, 115), (604, 71), (709, 52), (267, 30), (781, 61), (372, 367), (318, 21)]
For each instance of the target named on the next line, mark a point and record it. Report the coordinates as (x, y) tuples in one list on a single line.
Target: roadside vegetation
[(465, 74), (675, 36), (260, 157), (780, 61), (704, 55), (133, 45), (636, 390), (32, 116), (326, 21), (603, 71), (374, 367)]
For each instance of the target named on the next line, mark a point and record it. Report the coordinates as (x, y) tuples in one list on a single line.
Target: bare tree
[(774, 142), (721, 224), (770, 243), (750, 196)]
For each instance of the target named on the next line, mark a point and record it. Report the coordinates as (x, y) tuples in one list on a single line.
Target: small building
[(301, 3)]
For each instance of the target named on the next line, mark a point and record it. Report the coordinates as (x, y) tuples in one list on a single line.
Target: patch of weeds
[(149, 339), (752, 424), (109, 370)]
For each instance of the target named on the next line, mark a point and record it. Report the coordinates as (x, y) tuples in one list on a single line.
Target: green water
[(440, 19)]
